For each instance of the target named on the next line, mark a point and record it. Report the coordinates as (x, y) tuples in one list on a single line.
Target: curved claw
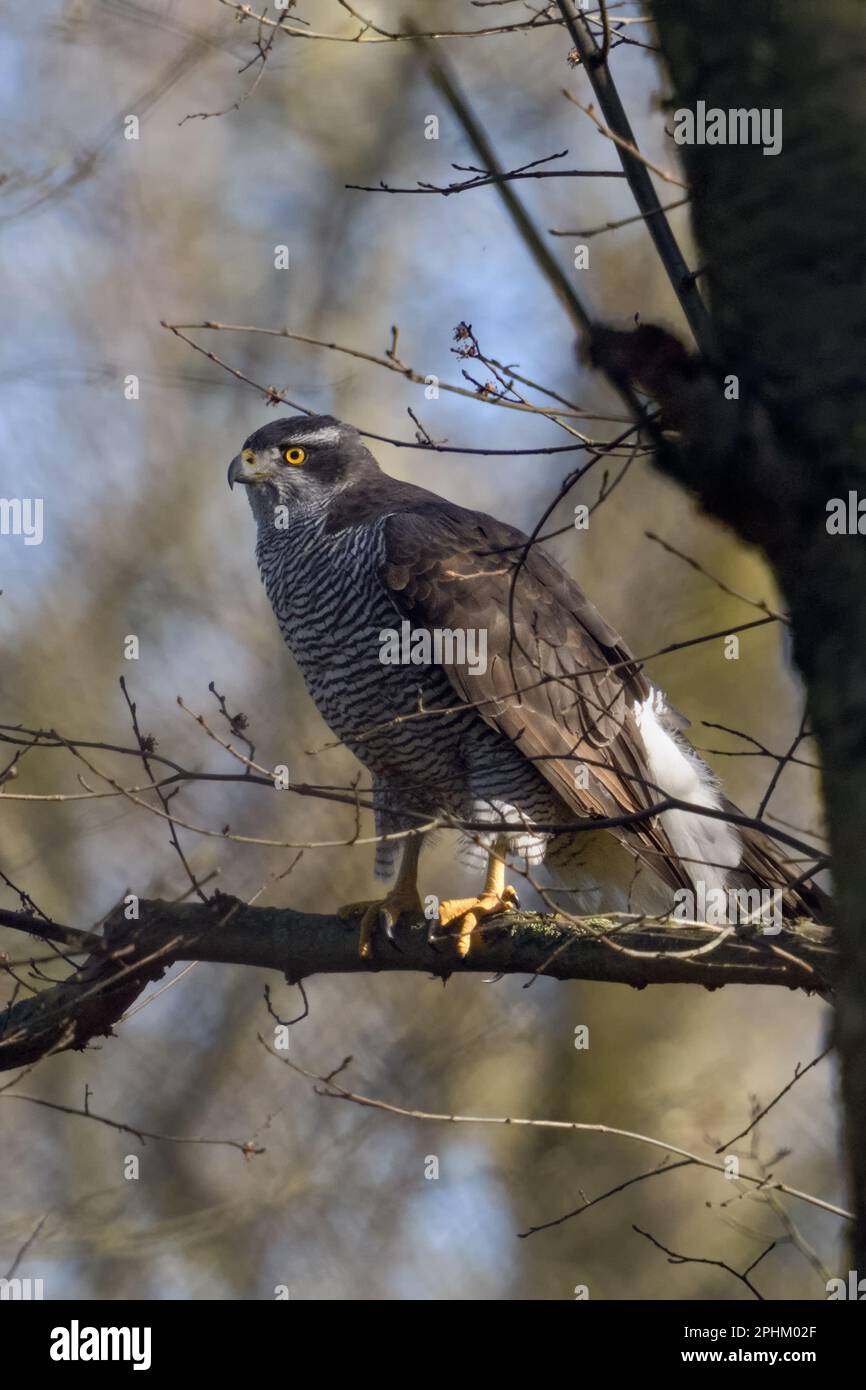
[(371, 922), (388, 924), (379, 917)]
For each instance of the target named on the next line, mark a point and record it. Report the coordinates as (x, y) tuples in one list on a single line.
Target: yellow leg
[(383, 914), (496, 897)]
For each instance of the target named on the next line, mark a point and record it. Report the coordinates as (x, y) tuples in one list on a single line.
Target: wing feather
[(560, 683)]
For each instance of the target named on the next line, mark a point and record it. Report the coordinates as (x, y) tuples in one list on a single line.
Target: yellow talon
[(496, 897), (469, 913)]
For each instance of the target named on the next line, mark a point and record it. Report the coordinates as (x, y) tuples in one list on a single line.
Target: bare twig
[(484, 179), (84, 1112), (628, 146), (640, 182), (696, 565), (332, 1090), (586, 233), (675, 1259), (799, 1073)]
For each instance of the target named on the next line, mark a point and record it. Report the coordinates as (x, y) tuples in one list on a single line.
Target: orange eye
[(295, 455)]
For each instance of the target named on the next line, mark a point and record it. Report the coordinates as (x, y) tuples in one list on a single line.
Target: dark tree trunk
[(783, 241)]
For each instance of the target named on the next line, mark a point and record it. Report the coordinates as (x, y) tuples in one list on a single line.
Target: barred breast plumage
[(326, 590)]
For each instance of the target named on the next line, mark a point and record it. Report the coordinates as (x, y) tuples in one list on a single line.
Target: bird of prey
[(527, 718)]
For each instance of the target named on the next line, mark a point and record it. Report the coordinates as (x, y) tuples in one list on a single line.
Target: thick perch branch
[(132, 955)]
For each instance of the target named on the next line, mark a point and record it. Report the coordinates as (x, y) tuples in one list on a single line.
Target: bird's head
[(299, 463)]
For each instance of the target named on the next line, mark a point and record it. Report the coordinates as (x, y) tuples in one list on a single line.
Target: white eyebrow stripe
[(328, 434)]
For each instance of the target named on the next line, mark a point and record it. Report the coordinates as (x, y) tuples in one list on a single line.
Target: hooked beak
[(239, 470)]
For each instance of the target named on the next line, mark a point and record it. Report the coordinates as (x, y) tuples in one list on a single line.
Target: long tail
[(597, 873), (764, 867)]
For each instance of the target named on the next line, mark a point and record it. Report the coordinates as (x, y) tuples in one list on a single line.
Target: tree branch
[(630, 951), (640, 183)]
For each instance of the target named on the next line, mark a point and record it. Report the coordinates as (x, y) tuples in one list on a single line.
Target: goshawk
[(482, 689)]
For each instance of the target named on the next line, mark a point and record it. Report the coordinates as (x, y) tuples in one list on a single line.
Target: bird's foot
[(382, 915), (462, 915)]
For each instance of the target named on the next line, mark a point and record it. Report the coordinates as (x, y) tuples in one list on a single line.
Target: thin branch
[(577, 825), (605, 27), (641, 184), (799, 1073), (627, 145), (263, 52), (758, 603), (390, 362), (586, 233), (484, 179), (334, 1091), (783, 762), (85, 1113), (675, 1259), (369, 33), (147, 745), (590, 1202)]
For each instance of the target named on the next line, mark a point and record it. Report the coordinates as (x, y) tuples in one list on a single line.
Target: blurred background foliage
[(102, 238)]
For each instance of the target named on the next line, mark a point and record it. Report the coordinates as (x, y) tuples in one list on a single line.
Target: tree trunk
[(783, 242)]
